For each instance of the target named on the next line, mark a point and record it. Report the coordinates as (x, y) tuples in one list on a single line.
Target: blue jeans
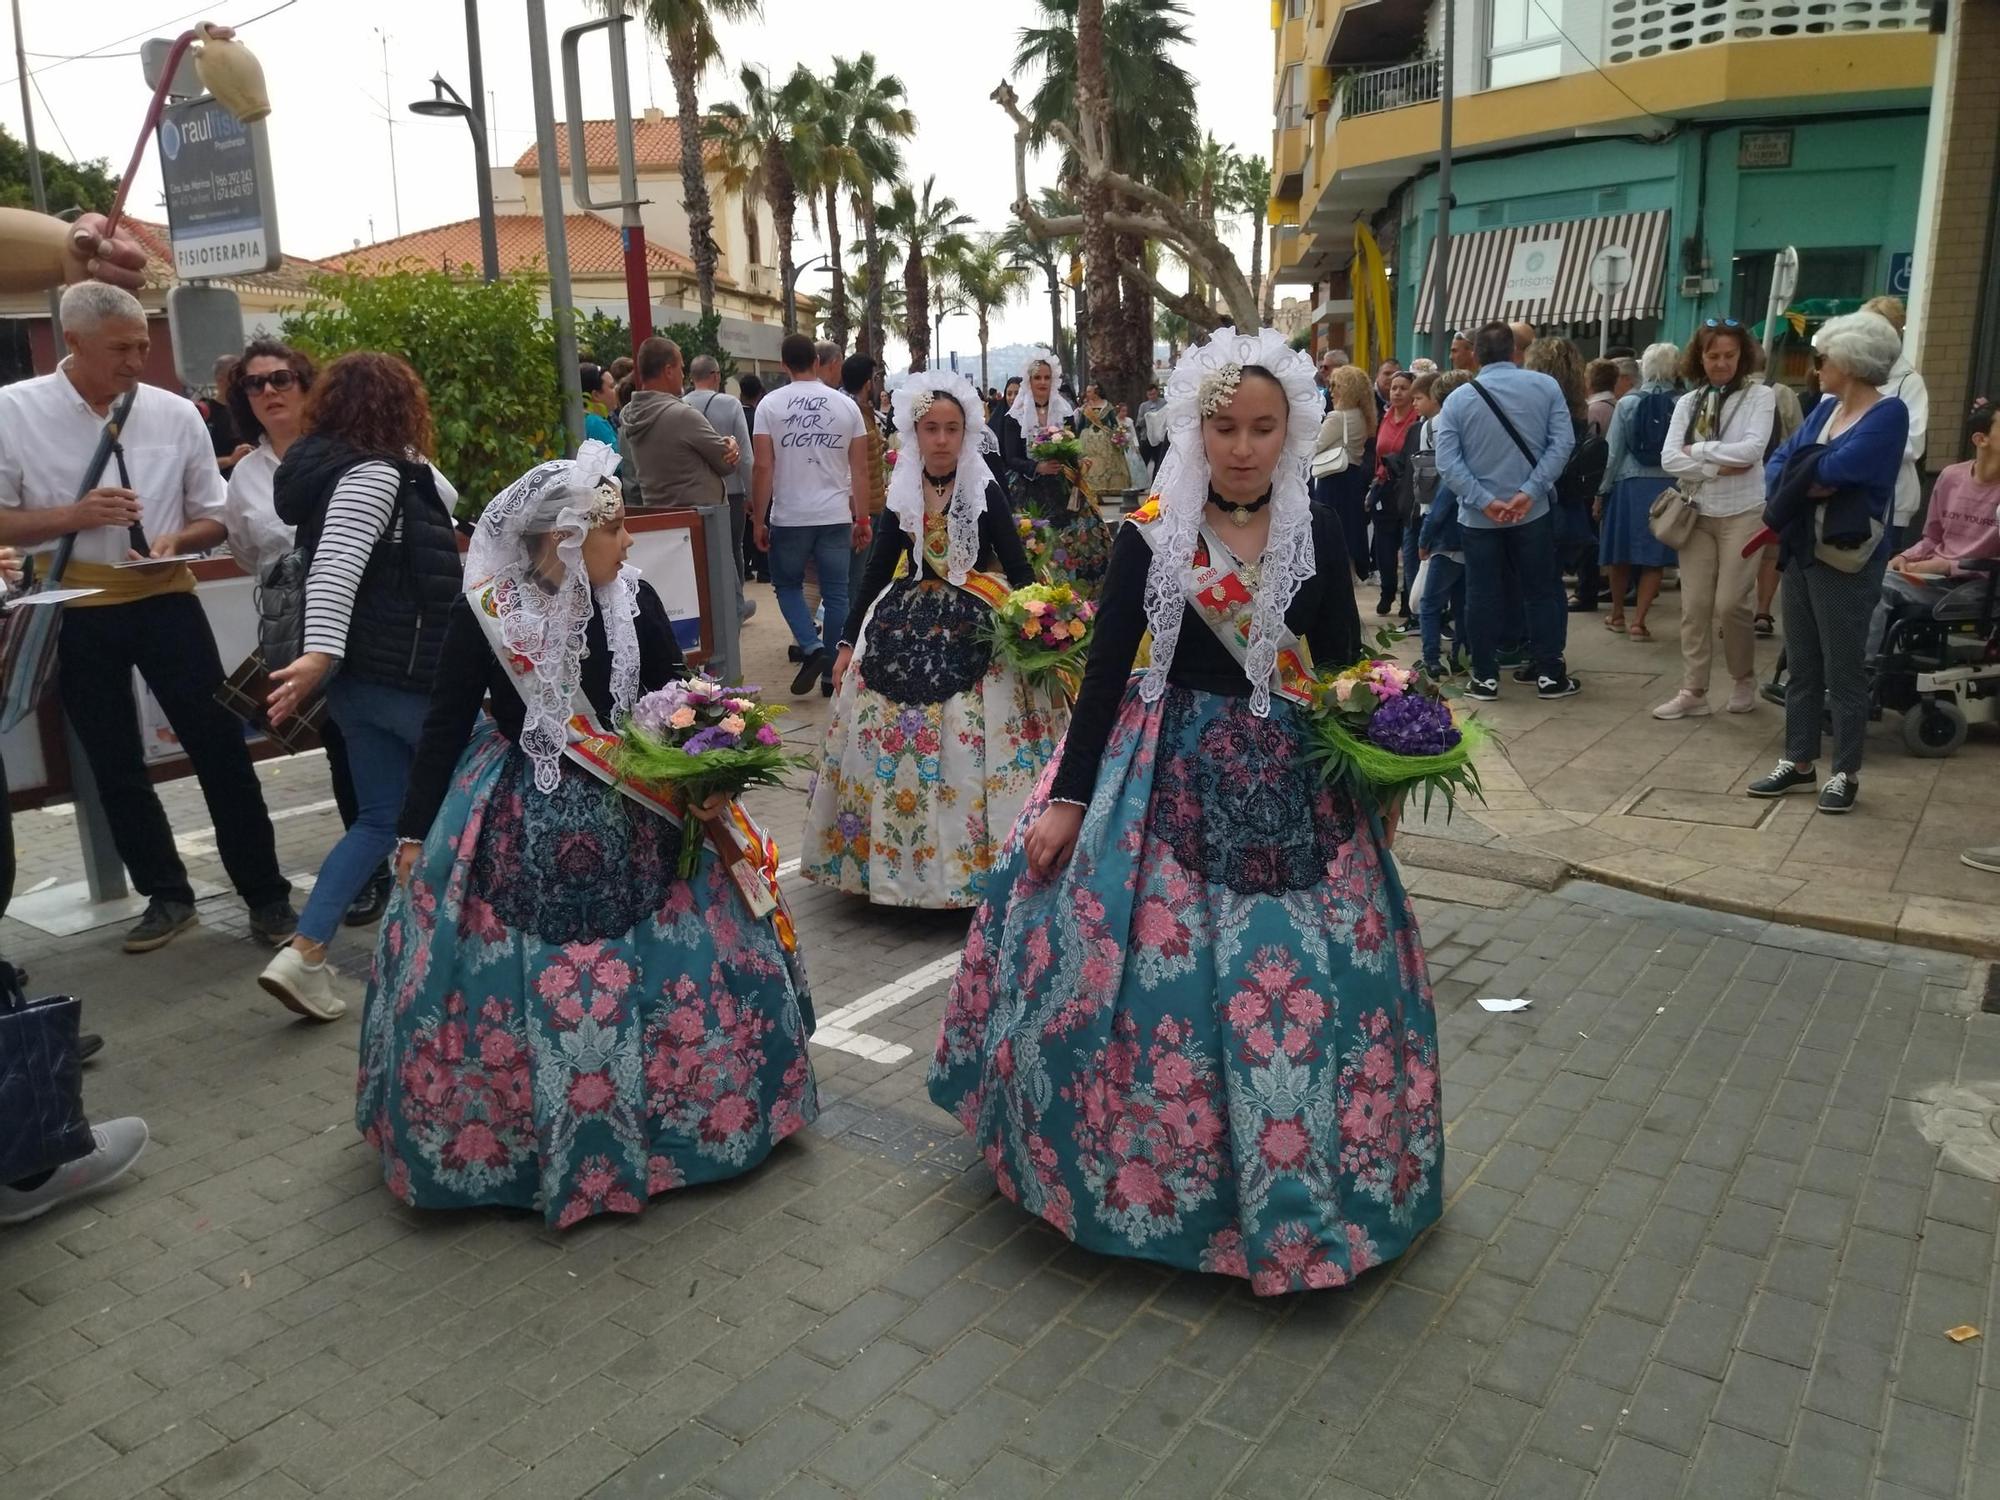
[(381, 726), (830, 550), (1526, 553), (1444, 584)]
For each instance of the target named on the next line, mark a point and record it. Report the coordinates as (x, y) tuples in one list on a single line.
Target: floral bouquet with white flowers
[(1056, 445), (1386, 729), (696, 739), (1043, 632)]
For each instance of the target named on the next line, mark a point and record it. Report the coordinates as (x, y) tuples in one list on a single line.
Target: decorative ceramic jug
[(230, 71)]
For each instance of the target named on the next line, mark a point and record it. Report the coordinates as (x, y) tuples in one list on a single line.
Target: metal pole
[(562, 302), (1441, 241), (1603, 322), (38, 194), (724, 592), (489, 234), (631, 228), (388, 109)]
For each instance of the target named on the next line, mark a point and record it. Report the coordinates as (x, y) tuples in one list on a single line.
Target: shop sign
[(1531, 271), (1764, 149)]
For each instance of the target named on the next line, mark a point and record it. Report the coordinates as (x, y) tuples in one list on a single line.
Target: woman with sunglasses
[(266, 395), (1714, 450)]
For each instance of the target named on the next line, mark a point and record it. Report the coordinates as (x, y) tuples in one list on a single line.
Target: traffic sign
[(218, 180), (204, 323), (1899, 272)]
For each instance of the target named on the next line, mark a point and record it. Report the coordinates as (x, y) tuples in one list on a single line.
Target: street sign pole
[(631, 228), (562, 300), (1610, 272), (37, 194)]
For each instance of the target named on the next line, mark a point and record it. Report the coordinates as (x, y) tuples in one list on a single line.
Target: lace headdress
[(544, 611), (906, 482), (1204, 381), (1023, 409)]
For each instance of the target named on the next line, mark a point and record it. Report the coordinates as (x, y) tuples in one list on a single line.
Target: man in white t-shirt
[(809, 500)]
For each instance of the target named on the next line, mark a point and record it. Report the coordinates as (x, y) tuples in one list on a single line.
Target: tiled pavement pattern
[(1695, 1246)]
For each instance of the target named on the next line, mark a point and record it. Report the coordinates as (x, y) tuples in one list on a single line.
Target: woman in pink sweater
[(1963, 523)]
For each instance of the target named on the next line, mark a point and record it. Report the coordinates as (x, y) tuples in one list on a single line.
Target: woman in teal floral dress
[(1193, 1023), (557, 1021)]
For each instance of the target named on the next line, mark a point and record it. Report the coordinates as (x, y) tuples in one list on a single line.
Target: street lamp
[(790, 311), (445, 104)]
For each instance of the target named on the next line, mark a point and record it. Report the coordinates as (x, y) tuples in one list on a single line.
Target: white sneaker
[(119, 1143), (1684, 705), (303, 987), (1743, 697)]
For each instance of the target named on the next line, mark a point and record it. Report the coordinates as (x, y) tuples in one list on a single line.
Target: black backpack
[(1650, 421), (1584, 472)]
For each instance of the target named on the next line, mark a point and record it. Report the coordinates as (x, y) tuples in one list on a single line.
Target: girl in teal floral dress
[(558, 1021), (1193, 1023)]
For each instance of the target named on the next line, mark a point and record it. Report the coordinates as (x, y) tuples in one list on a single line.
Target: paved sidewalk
[(1658, 807)]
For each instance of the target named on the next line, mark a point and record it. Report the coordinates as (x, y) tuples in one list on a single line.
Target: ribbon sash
[(1224, 603), (989, 589), (748, 854)]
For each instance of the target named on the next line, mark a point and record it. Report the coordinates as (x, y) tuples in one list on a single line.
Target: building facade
[(1699, 136)]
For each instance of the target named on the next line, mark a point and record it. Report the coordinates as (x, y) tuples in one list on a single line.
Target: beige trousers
[(1718, 585)]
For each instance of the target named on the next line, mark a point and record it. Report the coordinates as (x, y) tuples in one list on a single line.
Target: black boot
[(374, 898)]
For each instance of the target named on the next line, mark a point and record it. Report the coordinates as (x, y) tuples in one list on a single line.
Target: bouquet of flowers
[(1387, 729), (1119, 438), (1035, 534), (1056, 445), (1043, 633), (697, 738)]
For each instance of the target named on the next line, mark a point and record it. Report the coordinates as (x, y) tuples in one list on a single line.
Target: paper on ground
[(1488, 1003)]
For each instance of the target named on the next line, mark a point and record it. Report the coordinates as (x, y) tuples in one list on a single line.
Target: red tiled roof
[(656, 146), (595, 248)]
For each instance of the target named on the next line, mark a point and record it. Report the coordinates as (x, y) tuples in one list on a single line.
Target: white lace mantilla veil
[(1023, 409), (549, 626), (1183, 492), (968, 495)]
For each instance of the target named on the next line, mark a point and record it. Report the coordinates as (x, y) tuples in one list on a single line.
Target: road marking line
[(838, 1028), (202, 840)]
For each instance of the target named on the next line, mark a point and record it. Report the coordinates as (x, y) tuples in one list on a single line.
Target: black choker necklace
[(940, 482), (1240, 514)]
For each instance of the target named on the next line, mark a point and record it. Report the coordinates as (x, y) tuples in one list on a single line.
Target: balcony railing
[(1379, 89), (1649, 28)]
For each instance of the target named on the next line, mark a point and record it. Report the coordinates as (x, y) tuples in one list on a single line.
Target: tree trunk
[(1257, 233), (1099, 256), (985, 380), (836, 320), (873, 336), (1137, 329), (784, 197), (694, 181), (1055, 310), (917, 313)]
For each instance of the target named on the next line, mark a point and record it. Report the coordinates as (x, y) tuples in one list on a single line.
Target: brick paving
[(1695, 1245)]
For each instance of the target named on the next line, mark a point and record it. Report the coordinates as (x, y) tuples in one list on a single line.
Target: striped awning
[(1495, 273)]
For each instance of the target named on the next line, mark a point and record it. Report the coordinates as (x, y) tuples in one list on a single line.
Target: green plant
[(602, 337), (69, 184), (703, 336), (485, 352)]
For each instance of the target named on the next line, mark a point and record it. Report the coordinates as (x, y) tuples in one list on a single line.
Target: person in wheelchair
[(1935, 579)]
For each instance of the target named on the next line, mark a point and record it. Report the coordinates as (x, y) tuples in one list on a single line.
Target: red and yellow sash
[(988, 588), (748, 854), (1225, 603)]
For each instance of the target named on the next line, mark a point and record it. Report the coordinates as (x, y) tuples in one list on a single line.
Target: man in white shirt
[(809, 500), (1907, 386), (725, 415), (169, 496)]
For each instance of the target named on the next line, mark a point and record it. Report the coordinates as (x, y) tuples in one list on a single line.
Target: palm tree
[(877, 120), (832, 169), (988, 280), (1210, 184), (924, 226), (686, 29), (858, 288), (1107, 66), (1252, 195), (763, 160), (1171, 328)]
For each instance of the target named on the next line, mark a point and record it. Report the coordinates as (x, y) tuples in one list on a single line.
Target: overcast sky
[(324, 62)]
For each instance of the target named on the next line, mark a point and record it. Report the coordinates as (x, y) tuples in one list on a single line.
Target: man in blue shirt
[(1502, 441)]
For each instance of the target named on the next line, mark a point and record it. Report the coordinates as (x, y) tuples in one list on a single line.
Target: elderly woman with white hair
[(1633, 480), (1850, 445)]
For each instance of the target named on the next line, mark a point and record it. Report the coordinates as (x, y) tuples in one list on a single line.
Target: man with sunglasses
[(162, 498)]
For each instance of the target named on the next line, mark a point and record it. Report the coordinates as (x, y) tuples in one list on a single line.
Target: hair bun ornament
[(1218, 388)]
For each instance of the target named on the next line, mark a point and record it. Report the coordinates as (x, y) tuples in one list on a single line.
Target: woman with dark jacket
[(1846, 456), (383, 577)]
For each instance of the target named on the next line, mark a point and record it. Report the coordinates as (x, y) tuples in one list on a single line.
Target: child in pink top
[(1964, 519)]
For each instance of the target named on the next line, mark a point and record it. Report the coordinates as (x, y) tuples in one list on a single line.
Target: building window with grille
[(1522, 43)]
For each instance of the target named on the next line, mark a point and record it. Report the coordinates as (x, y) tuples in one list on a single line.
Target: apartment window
[(1522, 43), (1291, 106)]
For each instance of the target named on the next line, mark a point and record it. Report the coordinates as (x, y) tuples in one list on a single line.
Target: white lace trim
[(1023, 409), (1288, 558), (967, 504), (548, 625)]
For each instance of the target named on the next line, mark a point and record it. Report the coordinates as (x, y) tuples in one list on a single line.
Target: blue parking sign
[(1899, 272)]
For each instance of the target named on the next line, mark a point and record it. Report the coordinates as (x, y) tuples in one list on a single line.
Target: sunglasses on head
[(1722, 323), (277, 380)]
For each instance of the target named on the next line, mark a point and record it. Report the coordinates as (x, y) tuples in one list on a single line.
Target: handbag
[(1672, 517), (42, 1123), (28, 647), (1330, 462), (281, 610), (1844, 559), (246, 693)]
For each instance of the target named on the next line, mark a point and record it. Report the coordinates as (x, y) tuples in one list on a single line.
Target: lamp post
[(445, 104), (792, 286)]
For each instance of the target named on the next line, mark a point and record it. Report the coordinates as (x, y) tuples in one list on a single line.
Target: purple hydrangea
[(1413, 725), (715, 738)]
